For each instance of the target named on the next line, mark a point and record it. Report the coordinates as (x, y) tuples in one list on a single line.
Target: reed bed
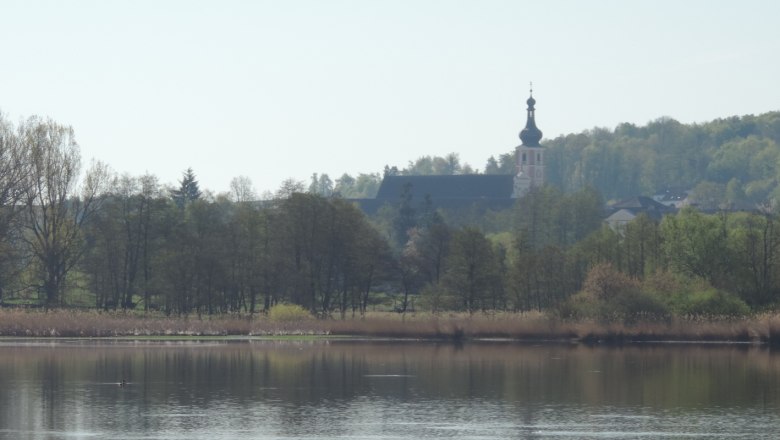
[(529, 327)]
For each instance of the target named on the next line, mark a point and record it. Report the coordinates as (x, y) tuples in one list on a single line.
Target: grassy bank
[(69, 323)]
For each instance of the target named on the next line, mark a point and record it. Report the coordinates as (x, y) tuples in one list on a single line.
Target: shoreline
[(32, 340), (525, 328)]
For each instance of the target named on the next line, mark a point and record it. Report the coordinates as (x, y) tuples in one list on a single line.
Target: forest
[(731, 161), (118, 242)]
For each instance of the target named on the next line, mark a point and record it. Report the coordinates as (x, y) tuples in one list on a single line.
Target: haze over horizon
[(275, 90)]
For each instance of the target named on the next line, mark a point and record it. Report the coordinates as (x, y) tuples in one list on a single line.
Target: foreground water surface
[(384, 390)]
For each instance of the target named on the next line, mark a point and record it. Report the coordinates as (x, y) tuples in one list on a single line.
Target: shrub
[(576, 307), (288, 313), (628, 306), (604, 282), (634, 306), (713, 302), (664, 284)]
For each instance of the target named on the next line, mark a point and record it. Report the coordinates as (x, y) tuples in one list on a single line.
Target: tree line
[(128, 242), (726, 162)]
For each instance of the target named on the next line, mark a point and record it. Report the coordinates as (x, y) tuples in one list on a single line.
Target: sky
[(273, 90)]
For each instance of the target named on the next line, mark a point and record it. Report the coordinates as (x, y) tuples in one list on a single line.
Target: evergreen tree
[(188, 189)]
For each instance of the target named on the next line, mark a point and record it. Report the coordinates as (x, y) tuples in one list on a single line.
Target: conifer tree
[(188, 189)]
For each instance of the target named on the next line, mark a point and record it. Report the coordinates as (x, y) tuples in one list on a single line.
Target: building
[(673, 197), (529, 154), (472, 191), (625, 211)]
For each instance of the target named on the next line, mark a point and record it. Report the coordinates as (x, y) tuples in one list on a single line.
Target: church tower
[(529, 155)]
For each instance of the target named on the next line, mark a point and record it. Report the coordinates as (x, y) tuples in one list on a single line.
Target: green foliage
[(665, 284), (284, 312), (547, 217), (712, 302), (577, 307), (693, 296), (696, 244), (634, 306), (326, 254), (473, 270), (183, 253), (437, 165), (631, 160), (321, 185), (605, 283), (435, 298), (504, 165), (364, 186), (188, 191), (611, 296), (626, 306)]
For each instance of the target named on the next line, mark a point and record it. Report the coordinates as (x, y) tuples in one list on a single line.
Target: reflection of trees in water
[(293, 383)]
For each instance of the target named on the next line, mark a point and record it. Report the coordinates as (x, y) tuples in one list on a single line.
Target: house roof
[(464, 186), (643, 204), (466, 191), (619, 217), (671, 195)]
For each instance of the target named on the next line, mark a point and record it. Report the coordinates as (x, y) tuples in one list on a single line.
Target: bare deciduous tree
[(241, 189), (14, 166), (55, 209)]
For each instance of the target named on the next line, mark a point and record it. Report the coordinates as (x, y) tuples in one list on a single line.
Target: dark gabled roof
[(465, 186), (643, 204), (672, 195), (372, 206)]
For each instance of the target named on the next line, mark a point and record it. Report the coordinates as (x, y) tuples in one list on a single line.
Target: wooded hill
[(726, 160), (732, 160)]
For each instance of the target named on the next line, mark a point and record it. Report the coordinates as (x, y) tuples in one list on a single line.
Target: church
[(472, 191)]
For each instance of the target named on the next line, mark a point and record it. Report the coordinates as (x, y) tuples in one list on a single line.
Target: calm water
[(385, 390)]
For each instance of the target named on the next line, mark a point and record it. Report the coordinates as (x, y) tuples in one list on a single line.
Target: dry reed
[(529, 326)]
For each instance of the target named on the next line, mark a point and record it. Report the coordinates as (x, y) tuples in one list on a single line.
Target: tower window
[(538, 158), (523, 157)]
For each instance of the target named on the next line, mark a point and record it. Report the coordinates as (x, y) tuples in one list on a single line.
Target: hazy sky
[(279, 89)]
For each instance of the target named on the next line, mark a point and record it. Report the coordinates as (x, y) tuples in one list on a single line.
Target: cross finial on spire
[(531, 85)]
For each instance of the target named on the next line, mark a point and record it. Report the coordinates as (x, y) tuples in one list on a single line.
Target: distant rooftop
[(464, 186), (642, 204), (481, 191)]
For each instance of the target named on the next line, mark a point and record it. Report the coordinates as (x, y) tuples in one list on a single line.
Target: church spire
[(530, 134)]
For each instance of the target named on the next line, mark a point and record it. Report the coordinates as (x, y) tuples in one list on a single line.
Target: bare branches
[(241, 189), (56, 207)]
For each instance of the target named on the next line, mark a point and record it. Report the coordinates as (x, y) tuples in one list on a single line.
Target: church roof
[(464, 186), (531, 135), (642, 203)]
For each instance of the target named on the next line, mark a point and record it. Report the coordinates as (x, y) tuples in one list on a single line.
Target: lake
[(385, 390)]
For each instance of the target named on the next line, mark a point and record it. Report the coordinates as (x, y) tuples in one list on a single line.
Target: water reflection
[(398, 390)]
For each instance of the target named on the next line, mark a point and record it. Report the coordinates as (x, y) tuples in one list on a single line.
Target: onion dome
[(530, 134)]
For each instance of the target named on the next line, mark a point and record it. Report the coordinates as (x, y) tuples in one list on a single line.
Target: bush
[(605, 283), (577, 307), (632, 306), (628, 306), (713, 302), (288, 313), (664, 284), (693, 296)]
